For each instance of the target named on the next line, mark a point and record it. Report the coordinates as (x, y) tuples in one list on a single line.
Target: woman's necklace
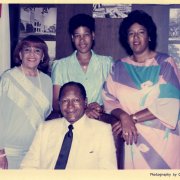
[(39, 81), (84, 67), (84, 61)]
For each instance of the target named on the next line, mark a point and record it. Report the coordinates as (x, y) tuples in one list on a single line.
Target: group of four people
[(138, 95)]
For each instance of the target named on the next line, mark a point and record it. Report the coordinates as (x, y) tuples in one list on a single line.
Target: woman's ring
[(125, 133)]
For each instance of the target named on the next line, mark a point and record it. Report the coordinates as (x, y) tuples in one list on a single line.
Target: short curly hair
[(81, 20), (33, 40), (142, 18)]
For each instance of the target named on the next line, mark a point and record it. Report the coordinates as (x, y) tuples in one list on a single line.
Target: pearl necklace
[(25, 78)]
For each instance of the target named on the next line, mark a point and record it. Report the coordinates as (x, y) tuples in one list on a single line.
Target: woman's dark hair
[(142, 18), (35, 41), (74, 84), (81, 20)]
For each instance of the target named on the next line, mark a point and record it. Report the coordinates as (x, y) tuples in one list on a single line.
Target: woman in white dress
[(25, 100)]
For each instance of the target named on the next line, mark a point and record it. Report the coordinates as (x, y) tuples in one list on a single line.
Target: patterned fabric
[(155, 85), (69, 69), (23, 106)]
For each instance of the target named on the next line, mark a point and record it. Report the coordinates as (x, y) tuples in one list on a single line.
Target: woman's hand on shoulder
[(94, 110)]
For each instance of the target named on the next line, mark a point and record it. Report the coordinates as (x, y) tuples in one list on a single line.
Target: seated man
[(92, 144)]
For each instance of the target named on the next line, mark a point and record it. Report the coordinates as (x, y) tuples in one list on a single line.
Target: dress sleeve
[(56, 73), (166, 107), (109, 94), (4, 83), (50, 96)]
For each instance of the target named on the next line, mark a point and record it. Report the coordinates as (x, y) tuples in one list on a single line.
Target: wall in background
[(106, 41)]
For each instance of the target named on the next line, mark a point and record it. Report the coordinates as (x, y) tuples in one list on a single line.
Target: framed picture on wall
[(39, 20), (111, 10), (174, 24), (174, 34)]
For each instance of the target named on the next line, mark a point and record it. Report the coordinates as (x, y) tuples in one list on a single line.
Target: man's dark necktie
[(65, 149)]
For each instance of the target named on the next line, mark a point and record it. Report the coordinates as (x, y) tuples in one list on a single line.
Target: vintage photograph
[(174, 24), (111, 10), (90, 87), (174, 34), (38, 20), (174, 51)]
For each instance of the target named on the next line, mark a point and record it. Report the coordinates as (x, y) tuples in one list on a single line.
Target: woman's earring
[(149, 39)]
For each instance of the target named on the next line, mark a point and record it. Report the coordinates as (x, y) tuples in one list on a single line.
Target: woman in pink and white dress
[(143, 92)]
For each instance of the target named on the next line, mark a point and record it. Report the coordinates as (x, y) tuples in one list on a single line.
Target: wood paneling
[(107, 38), (64, 13)]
